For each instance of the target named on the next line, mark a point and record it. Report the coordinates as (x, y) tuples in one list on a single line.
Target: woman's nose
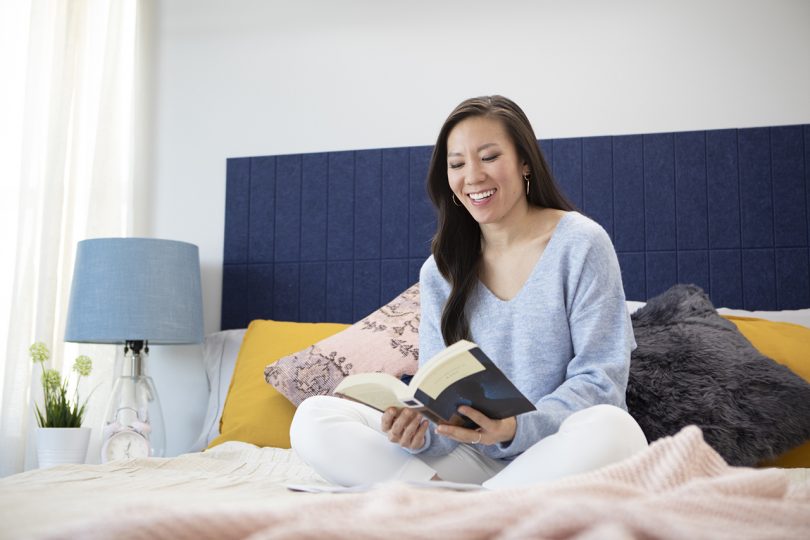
[(475, 173)]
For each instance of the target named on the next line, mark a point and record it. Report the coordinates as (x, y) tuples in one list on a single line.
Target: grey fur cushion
[(694, 367)]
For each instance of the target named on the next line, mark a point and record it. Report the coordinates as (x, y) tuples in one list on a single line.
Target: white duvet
[(41, 502)]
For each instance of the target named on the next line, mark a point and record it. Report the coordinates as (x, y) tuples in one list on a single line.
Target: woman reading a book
[(537, 286)]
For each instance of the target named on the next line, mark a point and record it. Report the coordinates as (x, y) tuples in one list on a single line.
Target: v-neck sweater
[(564, 339)]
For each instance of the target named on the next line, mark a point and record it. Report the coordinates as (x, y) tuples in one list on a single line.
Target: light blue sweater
[(564, 340)]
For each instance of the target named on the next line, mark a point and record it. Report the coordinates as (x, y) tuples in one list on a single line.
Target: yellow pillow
[(789, 345), (254, 411)]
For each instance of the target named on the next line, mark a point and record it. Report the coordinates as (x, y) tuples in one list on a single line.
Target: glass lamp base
[(134, 407)]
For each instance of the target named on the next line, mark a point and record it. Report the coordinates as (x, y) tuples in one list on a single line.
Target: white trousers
[(343, 442)]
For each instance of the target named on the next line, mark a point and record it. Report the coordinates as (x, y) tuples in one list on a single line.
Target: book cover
[(488, 391)]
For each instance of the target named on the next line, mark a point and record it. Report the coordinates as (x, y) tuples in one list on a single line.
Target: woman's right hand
[(405, 427)]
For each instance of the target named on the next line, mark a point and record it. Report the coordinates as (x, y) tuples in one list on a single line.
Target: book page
[(444, 373), (437, 360), (377, 390)]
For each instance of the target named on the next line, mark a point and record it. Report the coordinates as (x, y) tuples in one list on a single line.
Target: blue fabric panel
[(755, 188), (312, 305), (547, 148), (662, 271), (723, 189), (690, 191), (659, 192), (314, 189), (693, 267), (237, 211), (366, 288), (395, 202), (807, 175), (414, 265), (725, 274), (568, 168), (288, 208), (340, 212), (234, 296), (792, 278), (597, 180), (286, 292), (329, 236), (260, 291), (339, 282), (633, 270), (789, 204), (393, 278), (261, 235), (759, 279), (628, 193), (367, 204), (422, 218)]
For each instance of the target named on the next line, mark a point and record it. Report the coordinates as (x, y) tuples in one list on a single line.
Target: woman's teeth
[(481, 195)]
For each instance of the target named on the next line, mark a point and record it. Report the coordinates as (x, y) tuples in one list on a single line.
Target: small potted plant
[(60, 435)]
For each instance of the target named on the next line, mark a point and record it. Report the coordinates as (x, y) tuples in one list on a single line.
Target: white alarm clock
[(124, 444)]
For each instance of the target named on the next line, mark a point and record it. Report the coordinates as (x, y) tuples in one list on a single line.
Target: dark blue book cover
[(488, 391)]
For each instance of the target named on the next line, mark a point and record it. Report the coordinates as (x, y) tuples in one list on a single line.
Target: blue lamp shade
[(127, 289)]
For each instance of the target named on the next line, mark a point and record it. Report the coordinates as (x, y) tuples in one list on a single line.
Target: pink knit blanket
[(678, 488)]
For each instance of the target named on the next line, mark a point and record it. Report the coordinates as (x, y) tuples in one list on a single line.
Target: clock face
[(125, 444)]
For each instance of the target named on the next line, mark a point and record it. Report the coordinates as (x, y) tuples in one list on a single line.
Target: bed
[(321, 261)]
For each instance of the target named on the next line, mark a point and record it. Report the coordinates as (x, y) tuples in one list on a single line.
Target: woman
[(537, 286)]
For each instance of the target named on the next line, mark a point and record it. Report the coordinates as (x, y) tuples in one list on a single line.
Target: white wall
[(259, 77)]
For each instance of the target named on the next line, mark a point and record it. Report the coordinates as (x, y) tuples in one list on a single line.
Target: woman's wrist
[(511, 429)]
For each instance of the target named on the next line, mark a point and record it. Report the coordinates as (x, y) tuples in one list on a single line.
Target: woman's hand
[(405, 427), (490, 431)]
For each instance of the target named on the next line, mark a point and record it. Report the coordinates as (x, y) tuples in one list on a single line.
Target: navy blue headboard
[(332, 236)]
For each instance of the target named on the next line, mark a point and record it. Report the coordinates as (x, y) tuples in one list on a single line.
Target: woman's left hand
[(490, 431)]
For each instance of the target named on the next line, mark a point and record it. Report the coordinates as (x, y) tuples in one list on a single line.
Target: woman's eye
[(491, 158), (455, 165)]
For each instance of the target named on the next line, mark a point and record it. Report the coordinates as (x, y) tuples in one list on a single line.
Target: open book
[(459, 375)]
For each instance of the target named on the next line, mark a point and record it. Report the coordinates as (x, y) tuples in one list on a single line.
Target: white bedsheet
[(677, 488), (39, 502), (231, 477)]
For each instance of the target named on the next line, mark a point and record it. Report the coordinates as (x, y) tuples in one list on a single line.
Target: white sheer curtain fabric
[(68, 164)]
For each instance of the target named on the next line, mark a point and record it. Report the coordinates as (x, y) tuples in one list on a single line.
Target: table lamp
[(135, 292)]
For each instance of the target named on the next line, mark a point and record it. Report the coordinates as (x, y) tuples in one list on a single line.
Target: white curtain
[(66, 169)]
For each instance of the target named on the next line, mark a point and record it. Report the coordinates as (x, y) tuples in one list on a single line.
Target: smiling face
[(484, 170)]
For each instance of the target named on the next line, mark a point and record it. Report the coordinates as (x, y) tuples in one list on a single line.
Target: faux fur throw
[(694, 367)]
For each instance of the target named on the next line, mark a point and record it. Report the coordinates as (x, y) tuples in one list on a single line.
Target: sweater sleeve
[(601, 337), (433, 290)]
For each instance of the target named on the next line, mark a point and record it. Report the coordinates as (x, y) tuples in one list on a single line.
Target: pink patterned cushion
[(385, 341)]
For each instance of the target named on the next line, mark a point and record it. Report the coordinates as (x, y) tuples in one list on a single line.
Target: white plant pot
[(56, 446)]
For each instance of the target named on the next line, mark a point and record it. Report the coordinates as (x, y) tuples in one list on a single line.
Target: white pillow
[(795, 316), (633, 306), (220, 350)]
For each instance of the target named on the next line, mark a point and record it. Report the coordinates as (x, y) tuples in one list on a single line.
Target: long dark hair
[(456, 247)]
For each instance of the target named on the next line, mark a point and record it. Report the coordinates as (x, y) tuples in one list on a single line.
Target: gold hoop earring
[(453, 196), (527, 177)]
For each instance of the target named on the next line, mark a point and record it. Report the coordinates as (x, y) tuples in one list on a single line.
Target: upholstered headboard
[(332, 236)]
